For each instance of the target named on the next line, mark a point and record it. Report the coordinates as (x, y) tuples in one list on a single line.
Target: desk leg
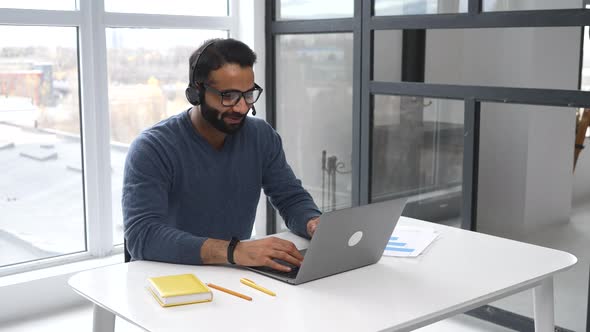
[(103, 320), (543, 303)]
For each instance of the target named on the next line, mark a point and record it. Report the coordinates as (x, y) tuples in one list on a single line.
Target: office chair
[(126, 252), (582, 124)]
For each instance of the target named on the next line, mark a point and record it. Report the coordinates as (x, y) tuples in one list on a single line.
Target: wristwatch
[(230, 249)]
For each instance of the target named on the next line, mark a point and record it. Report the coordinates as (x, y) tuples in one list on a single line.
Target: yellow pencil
[(229, 291), (252, 284)]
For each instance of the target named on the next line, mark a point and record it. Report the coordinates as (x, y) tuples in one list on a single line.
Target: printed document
[(409, 241)]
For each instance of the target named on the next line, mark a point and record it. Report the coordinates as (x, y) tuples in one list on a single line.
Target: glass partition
[(419, 7), (417, 152), (509, 5), (509, 57), (314, 113), (306, 10)]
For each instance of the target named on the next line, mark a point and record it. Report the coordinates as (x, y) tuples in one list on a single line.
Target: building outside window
[(74, 93)]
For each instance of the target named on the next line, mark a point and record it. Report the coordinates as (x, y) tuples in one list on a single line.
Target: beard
[(215, 118)]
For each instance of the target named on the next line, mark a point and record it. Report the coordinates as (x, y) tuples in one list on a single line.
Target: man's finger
[(282, 255), (313, 227), (277, 266), (291, 249), (288, 247)]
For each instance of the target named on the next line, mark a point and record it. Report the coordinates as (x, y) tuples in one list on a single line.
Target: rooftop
[(41, 193)]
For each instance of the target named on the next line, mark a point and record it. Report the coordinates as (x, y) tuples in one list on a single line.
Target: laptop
[(344, 240)]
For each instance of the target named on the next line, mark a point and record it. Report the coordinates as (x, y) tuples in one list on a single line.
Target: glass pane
[(314, 113), (148, 73), (586, 61), (41, 195), (306, 9), (512, 57), (39, 4), (525, 193), (507, 5), (417, 152), (418, 7), (170, 7)]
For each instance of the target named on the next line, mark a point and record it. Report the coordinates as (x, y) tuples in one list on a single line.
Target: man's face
[(227, 119)]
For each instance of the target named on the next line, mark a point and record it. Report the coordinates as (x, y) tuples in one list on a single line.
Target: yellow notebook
[(179, 289)]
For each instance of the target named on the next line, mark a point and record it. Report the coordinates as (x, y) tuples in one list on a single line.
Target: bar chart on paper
[(409, 241)]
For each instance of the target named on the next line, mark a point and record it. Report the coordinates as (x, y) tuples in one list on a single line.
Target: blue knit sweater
[(178, 190)]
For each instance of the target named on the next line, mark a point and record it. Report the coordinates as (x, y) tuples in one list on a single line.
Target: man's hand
[(312, 225), (261, 253)]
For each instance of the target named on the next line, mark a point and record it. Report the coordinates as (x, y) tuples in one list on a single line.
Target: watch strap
[(231, 248)]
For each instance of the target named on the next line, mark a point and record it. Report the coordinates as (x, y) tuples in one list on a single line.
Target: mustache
[(232, 114)]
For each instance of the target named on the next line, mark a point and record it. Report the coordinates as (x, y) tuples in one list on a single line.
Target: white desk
[(460, 271)]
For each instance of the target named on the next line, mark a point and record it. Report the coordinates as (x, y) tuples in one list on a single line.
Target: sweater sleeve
[(147, 181), (294, 203)]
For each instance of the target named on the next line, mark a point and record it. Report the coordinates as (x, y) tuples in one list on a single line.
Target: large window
[(74, 92), (39, 4), (41, 184), (170, 7)]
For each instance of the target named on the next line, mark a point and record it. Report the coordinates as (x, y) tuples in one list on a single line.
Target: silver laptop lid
[(350, 238)]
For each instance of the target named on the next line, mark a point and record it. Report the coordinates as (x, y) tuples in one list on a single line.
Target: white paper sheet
[(409, 241)]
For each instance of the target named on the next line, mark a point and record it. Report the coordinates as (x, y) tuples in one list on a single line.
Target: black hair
[(218, 52)]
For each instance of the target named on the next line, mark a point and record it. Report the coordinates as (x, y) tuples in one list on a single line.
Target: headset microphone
[(253, 110)]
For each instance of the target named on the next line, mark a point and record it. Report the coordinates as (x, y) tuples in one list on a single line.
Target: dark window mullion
[(471, 120), (475, 7), (366, 111), (357, 103)]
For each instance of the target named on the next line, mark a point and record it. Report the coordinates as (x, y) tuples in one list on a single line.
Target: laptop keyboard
[(291, 274)]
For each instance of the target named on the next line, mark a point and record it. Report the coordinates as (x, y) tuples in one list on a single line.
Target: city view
[(41, 190)]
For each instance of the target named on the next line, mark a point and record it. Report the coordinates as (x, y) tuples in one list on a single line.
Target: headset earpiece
[(193, 95)]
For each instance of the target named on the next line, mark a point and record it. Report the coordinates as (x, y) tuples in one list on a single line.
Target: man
[(192, 182)]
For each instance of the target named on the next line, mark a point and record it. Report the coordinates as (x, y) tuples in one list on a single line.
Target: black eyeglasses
[(232, 97)]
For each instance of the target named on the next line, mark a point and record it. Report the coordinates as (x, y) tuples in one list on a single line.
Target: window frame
[(92, 20)]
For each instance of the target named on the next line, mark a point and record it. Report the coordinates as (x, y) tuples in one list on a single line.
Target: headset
[(193, 92)]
